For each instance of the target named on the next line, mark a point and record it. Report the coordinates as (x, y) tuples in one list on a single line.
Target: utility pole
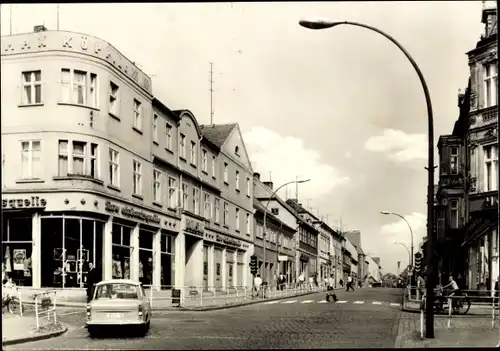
[(57, 16), (211, 94), (297, 189), (10, 20)]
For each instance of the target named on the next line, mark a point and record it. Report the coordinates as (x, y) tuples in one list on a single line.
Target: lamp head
[(302, 181), (317, 23), (385, 212)]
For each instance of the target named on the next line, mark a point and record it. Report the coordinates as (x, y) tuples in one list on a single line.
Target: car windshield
[(117, 291)]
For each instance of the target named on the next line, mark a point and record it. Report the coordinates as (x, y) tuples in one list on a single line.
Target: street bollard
[(55, 316), (201, 298), (245, 293), (422, 309), (36, 313), (449, 312), (493, 314), (151, 296)]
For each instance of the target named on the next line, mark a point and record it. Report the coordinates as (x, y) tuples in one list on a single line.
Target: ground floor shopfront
[(49, 240), (306, 264), (213, 259), (275, 265), (324, 268)]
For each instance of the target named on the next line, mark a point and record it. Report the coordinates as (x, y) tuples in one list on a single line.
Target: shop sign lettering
[(228, 241), (195, 227), (72, 42), (132, 213), (32, 202)]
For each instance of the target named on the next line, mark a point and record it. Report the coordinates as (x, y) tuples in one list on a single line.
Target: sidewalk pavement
[(20, 329), (467, 331), (475, 309)]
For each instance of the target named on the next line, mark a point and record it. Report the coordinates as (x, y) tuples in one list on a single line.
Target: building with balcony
[(97, 170)]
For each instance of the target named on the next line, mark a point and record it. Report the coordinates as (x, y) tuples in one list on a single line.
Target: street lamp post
[(322, 24), (411, 232), (265, 221), (408, 250)]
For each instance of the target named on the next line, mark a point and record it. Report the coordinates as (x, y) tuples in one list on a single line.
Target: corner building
[(96, 170)]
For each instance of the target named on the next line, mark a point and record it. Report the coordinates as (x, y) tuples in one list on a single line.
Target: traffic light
[(418, 263), (253, 264)]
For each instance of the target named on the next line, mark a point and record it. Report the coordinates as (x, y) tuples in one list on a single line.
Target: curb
[(35, 337), (208, 308)]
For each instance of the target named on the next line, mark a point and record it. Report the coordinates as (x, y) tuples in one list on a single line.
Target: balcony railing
[(490, 114)]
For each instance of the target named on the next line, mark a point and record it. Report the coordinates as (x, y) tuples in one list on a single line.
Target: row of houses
[(96, 169), (466, 197)]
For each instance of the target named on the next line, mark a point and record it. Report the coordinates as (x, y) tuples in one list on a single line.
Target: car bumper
[(115, 323)]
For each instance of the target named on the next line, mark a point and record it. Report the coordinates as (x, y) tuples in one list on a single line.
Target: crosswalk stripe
[(272, 302), (322, 301), (376, 303), (307, 301), (358, 302), (290, 301), (395, 304), (342, 301)]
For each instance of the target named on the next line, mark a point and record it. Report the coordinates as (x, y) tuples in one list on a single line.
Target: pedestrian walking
[(349, 283), (311, 283), (301, 280), (341, 282), (331, 290), (257, 282), (91, 281)]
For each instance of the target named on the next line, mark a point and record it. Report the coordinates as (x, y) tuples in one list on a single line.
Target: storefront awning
[(476, 229)]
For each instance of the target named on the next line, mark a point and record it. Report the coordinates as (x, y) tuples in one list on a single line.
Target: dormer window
[(236, 150), (454, 160)]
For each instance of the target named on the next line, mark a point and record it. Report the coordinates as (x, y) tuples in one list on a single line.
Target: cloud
[(398, 145), (348, 154), (287, 157)]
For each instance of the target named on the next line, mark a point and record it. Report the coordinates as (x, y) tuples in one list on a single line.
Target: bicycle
[(460, 303)]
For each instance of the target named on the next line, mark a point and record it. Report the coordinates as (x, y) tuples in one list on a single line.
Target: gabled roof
[(259, 207), (217, 134)]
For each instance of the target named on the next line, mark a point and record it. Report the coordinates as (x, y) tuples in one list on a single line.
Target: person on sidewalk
[(91, 281), (257, 282), (349, 283), (341, 282), (311, 283), (331, 290), (301, 280)]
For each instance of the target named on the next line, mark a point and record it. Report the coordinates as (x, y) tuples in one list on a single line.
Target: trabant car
[(118, 303)]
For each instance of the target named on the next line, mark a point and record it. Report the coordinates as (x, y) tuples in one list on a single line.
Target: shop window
[(167, 261), (217, 269), (146, 257), (17, 249), (121, 251)]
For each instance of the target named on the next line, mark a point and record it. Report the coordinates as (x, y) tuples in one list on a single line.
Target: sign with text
[(227, 240), (28, 202), (130, 212), (194, 226)]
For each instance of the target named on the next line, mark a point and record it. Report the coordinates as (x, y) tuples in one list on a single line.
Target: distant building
[(354, 236)]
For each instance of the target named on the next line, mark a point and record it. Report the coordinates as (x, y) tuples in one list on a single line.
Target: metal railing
[(45, 305), (199, 296)]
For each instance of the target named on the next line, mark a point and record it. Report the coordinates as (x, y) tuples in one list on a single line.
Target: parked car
[(118, 303)]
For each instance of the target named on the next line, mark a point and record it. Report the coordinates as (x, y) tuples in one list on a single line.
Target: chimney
[(256, 175), (269, 185), (39, 28)]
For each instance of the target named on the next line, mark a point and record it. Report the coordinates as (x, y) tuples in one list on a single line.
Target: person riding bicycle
[(453, 286)]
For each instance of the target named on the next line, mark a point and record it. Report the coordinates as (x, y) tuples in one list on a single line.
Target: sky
[(342, 106)]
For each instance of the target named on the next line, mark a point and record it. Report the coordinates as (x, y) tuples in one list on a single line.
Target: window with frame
[(213, 167), (182, 144), (454, 160), (185, 196), (217, 210), (114, 101), (454, 216), (168, 136), (204, 160), (249, 187), (490, 167), (155, 127), (207, 206), (226, 213), (172, 190), (78, 158), (237, 225), (31, 159), (32, 88), (137, 114), (193, 153), (226, 175), (196, 201), (79, 87), (247, 223), (490, 84), (156, 186), (237, 181), (137, 175), (114, 168)]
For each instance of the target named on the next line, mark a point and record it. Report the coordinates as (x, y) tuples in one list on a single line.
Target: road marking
[(358, 302), (290, 301), (376, 303), (68, 313), (307, 301), (395, 304), (342, 301), (322, 301), (272, 302)]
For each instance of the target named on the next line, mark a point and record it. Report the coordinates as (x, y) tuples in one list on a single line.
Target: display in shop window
[(59, 254), (205, 268), (230, 270), (217, 269), (19, 255)]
